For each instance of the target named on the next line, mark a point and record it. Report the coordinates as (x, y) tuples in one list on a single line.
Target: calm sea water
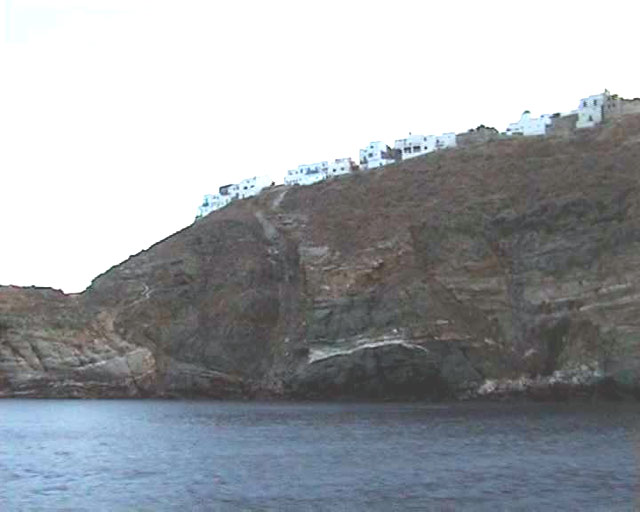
[(171, 455)]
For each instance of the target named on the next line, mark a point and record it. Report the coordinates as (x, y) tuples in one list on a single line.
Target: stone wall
[(562, 126), (480, 135), (617, 107)]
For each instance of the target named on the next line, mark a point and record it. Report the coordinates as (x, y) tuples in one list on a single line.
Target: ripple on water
[(155, 455)]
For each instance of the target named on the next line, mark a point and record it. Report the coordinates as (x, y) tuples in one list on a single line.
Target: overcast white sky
[(116, 116)]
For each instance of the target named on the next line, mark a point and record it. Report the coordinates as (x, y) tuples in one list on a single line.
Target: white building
[(416, 145), (307, 174), (529, 126), (232, 191), (252, 186), (228, 193), (340, 166), (446, 140), (212, 202), (376, 154), (590, 111)]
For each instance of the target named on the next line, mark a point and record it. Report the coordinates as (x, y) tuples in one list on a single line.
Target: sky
[(117, 116)]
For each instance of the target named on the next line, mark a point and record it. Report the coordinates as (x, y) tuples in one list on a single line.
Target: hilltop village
[(592, 110)]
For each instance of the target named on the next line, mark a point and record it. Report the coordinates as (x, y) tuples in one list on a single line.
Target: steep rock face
[(518, 259), (508, 267), (205, 302), (49, 347)]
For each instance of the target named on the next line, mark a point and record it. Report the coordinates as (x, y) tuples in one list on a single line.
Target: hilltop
[(509, 267)]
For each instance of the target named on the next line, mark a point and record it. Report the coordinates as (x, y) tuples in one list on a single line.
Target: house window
[(584, 103), (416, 149), (590, 118), (595, 102)]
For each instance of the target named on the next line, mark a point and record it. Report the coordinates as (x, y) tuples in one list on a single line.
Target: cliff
[(506, 268)]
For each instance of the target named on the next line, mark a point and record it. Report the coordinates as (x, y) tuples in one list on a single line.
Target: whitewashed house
[(232, 191), (307, 174), (376, 154), (416, 145), (446, 140), (528, 125), (212, 202), (297, 177), (228, 193), (590, 110), (252, 186), (340, 166)]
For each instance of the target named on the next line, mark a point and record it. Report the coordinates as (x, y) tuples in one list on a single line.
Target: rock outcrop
[(51, 347), (510, 268)]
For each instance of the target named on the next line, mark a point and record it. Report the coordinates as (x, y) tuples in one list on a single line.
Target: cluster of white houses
[(376, 154), (246, 188), (416, 145), (590, 112), (312, 173)]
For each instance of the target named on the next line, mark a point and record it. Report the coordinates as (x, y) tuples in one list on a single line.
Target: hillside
[(499, 269)]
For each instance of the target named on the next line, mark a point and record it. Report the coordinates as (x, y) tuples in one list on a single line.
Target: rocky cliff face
[(51, 347), (510, 267)]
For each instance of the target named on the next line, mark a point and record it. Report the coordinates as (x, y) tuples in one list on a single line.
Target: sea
[(156, 455)]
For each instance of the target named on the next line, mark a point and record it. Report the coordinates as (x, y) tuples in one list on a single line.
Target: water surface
[(166, 455)]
